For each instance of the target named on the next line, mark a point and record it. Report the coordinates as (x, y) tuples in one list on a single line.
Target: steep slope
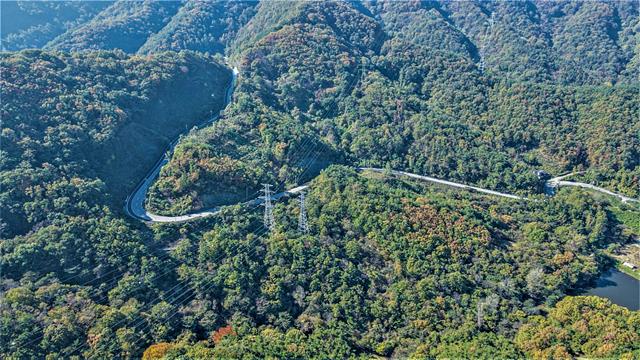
[(289, 77), (269, 17), (389, 267), (599, 24), (533, 40), (426, 25), (78, 132), (541, 41), (407, 93), (97, 118), (125, 25), (31, 24), (206, 26)]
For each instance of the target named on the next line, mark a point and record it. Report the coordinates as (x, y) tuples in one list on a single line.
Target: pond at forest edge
[(619, 288)]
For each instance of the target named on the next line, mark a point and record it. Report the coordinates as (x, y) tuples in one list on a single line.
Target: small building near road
[(542, 175)]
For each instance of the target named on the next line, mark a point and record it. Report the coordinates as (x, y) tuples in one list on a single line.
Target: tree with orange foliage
[(217, 335)]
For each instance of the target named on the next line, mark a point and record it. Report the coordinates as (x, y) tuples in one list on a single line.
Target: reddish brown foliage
[(222, 332)]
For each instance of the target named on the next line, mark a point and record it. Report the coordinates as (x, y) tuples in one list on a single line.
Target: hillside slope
[(125, 25), (329, 83), (542, 41), (205, 26), (534, 40), (387, 267), (102, 117), (32, 24), (287, 76), (395, 269)]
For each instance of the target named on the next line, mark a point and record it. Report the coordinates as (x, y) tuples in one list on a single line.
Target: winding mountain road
[(558, 181), (135, 203), (447, 183)]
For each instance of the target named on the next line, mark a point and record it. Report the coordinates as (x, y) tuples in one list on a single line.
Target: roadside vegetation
[(390, 267)]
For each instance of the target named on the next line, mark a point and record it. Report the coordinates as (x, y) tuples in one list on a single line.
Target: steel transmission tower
[(482, 65), (269, 221), (303, 226)]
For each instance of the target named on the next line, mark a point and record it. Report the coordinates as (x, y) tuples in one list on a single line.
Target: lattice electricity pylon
[(269, 220), (482, 65), (303, 226)]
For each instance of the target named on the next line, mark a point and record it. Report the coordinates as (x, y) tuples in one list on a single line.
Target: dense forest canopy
[(480, 92), (206, 26), (73, 124), (32, 24), (124, 25), (407, 96), (566, 42)]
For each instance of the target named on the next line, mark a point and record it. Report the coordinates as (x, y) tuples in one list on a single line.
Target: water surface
[(619, 288)]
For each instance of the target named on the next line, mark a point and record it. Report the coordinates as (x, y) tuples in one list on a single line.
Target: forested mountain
[(390, 268), (206, 26), (402, 269), (78, 132), (567, 42), (72, 124), (480, 92), (125, 25), (324, 82), (290, 74), (31, 24)]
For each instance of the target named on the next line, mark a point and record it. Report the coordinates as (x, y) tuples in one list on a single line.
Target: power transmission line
[(176, 292), (303, 226), (482, 65), (111, 283), (206, 285), (269, 220)]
